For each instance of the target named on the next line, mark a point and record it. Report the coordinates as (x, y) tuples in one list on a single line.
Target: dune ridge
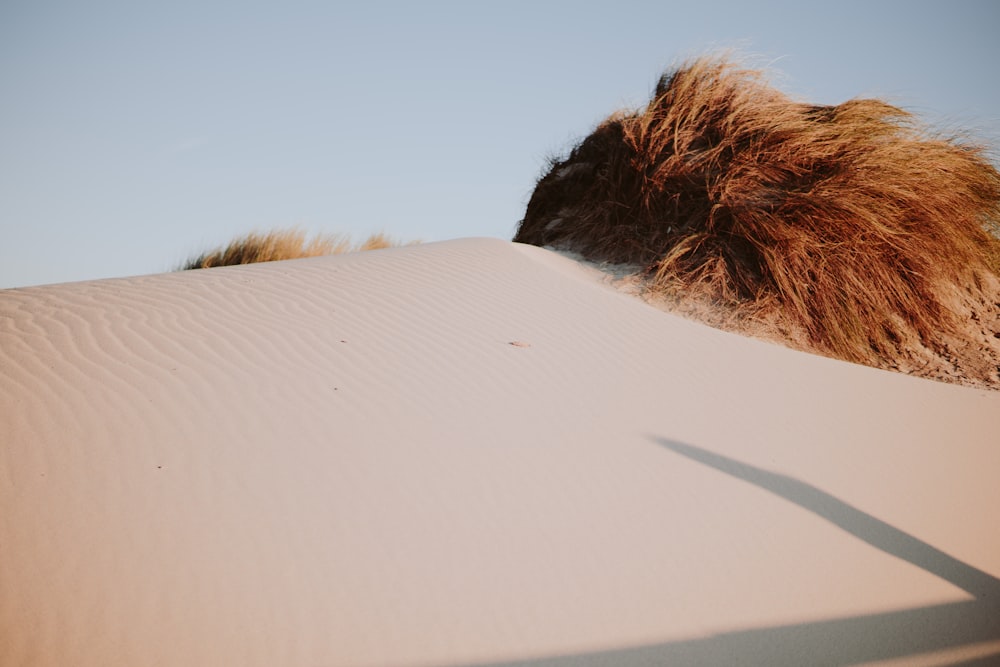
[(346, 461)]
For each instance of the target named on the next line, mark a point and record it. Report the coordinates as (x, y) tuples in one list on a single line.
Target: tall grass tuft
[(853, 224)]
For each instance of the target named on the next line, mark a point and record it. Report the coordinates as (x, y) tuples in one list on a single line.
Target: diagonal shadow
[(830, 643), (864, 526)]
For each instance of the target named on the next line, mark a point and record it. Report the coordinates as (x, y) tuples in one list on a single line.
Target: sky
[(134, 135)]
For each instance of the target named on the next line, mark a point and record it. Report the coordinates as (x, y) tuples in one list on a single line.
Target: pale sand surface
[(345, 461)]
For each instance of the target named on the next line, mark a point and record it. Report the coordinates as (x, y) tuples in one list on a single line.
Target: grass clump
[(283, 244), (852, 224)]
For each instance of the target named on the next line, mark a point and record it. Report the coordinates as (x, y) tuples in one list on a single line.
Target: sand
[(471, 453)]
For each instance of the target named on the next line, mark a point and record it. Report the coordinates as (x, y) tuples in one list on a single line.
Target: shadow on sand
[(845, 641)]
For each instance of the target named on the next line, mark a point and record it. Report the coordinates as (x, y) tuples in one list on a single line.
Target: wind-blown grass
[(853, 224)]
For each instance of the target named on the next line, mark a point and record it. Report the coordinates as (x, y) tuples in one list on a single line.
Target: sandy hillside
[(471, 453)]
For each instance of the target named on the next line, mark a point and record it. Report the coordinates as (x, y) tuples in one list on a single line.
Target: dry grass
[(283, 244), (852, 225)]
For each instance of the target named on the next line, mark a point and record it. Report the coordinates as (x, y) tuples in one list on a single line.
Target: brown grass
[(853, 224), (283, 244)]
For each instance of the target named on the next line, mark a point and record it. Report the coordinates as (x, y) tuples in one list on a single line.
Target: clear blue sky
[(134, 134)]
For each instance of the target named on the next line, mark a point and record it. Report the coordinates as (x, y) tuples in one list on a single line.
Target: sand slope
[(471, 452)]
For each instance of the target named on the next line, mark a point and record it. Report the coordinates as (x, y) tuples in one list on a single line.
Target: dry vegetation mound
[(283, 244), (850, 230)]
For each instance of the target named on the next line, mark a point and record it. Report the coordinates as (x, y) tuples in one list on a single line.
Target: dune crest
[(470, 453), (851, 231)]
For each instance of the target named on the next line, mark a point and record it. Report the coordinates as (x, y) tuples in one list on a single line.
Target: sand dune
[(471, 453)]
